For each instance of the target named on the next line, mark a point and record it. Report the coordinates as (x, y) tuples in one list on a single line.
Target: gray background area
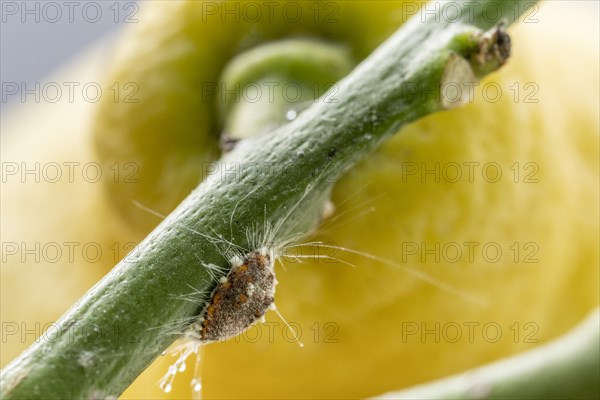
[(37, 37)]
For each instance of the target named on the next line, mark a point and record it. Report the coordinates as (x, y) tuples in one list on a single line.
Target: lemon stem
[(276, 182), (274, 82)]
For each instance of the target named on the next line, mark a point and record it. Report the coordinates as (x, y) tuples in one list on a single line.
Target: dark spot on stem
[(226, 142), (503, 42)]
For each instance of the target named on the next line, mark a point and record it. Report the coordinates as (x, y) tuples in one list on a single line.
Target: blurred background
[(37, 38), (542, 134)]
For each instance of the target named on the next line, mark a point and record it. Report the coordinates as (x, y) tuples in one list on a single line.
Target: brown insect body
[(240, 300)]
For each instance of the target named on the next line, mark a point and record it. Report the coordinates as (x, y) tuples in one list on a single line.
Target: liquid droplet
[(166, 387), (196, 385), (181, 367), (291, 115)]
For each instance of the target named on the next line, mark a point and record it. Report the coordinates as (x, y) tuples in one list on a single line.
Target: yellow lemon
[(477, 228), (486, 219)]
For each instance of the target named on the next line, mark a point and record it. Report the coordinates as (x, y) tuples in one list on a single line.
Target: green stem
[(567, 368), (122, 324), (276, 78)]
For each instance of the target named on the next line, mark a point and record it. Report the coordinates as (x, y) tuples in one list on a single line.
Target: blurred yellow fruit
[(167, 123), (495, 201)]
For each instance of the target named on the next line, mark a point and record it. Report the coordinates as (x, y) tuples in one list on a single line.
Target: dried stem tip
[(494, 49)]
